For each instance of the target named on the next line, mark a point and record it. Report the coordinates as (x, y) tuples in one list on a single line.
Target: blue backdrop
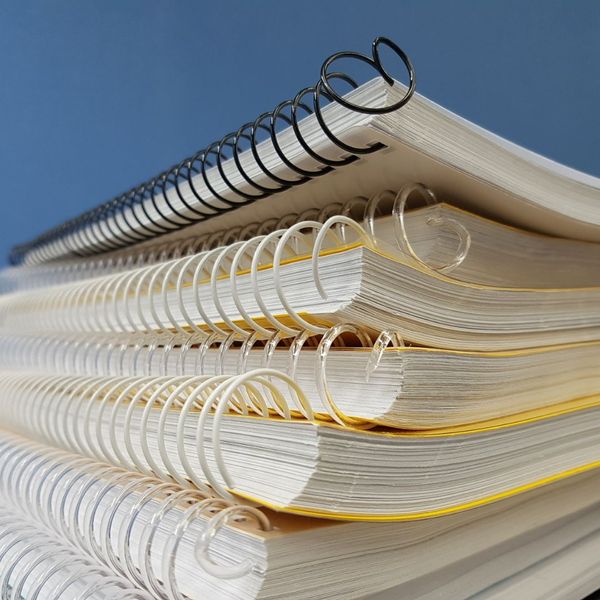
[(97, 96)]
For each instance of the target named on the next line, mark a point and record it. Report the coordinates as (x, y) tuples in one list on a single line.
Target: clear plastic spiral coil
[(151, 298), (99, 509), (37, 566)]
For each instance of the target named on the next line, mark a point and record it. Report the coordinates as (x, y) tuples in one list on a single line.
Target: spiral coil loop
[(452, 225), (168, 359), (134, 421), (215, 524), (201, 186), (97, 508), (245, 239), (201, 292), (47, 569), (26, 277)]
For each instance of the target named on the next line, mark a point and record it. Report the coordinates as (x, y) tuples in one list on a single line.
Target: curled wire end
[(452, 225), (321, 371), (385, 339), (376, 63), (222, 518), (326, 229)]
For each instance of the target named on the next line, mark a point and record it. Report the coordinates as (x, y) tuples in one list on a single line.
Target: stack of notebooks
[(350, 350)]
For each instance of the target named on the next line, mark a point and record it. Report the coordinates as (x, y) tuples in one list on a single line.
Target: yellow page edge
[(426, 514)]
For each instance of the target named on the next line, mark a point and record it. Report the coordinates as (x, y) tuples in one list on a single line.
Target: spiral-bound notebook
[(379, 135), (155, 425), (175, 541), (432, 301), (242, 380)]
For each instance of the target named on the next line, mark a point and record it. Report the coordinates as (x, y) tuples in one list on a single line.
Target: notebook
[(292, 273), (406, 387), (432, 233), (172, 540), (165, 426), (396, 134)]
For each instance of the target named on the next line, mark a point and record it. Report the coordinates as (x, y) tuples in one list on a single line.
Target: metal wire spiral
[(136, 215)]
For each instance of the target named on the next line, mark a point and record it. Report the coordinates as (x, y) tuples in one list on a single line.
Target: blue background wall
[(97, 96)]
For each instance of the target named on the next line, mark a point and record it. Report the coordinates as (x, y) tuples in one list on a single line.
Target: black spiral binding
[(79, 236)]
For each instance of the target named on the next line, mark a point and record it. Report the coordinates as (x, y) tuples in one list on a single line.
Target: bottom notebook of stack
[(542, 544), (182, 541), (547, 568)]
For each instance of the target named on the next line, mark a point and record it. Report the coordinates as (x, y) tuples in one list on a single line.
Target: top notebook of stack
[(378, 136), (380, 312)]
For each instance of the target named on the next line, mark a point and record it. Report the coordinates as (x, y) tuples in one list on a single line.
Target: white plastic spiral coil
[(108, 419)]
